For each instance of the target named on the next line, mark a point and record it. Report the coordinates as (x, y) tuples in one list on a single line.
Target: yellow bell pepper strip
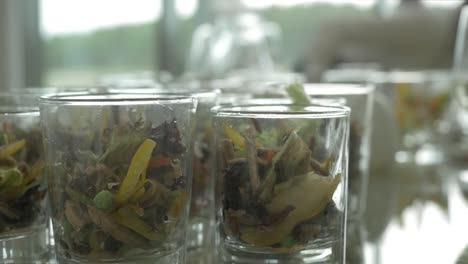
[(138, 166), (35, 172), (12, 148), (177, 205), (235, 137), (126, 217), (105, 222), (136, 209), (309, 194), (140, 188), (140, 192), (150, 191)]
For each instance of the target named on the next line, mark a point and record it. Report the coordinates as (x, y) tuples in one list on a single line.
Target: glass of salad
[(201, 218), (119, 175), (23, 220), (281, 177)]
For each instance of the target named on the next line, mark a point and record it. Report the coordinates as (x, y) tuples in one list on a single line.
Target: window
[(86, 40)]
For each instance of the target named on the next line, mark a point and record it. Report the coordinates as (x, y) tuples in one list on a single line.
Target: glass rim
[(399, 76), (104, 98), (283, 100), (200, 93), (337, 89), (18, 110), (283, 111), (12, 103)]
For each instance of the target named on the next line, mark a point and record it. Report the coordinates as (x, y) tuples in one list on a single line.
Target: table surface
[(418, 214)]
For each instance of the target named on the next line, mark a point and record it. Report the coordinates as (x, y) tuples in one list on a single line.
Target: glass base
[(201, 256), (311, 254), (28, 245), (200, 242), (355, 242), (176, 257), (198, 234)]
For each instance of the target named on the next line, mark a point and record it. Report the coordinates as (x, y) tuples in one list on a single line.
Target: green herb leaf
[(297, 94)]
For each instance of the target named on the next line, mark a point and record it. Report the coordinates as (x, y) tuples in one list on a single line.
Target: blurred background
[(417, 203), (53, 42)]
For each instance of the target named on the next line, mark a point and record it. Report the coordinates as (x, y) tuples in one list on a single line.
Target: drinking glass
[(24, 234), (119, 175), (281, 183), (200, 235)]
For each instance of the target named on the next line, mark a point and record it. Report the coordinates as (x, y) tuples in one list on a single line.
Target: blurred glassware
[(24, 234), (350, 73), (438, 86), (460, 60), (410, 105), (132, 80), (457, 141), (360, 98), (239, 43), (382, 189)]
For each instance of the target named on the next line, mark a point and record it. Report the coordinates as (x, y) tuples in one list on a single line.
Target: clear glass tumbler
[(24, 234), (200, 235), (281, 178), (119, 176)]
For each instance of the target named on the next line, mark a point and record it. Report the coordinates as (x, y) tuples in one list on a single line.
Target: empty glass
[(119, 174), (281, 177)]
